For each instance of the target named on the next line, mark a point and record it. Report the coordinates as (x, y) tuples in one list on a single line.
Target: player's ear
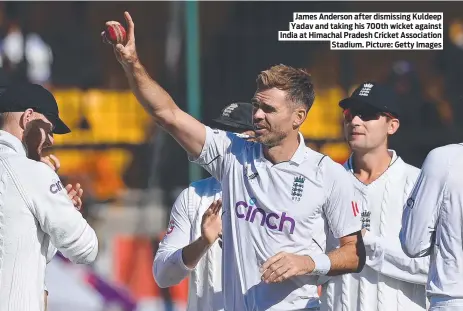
[(26, 117), (393, 125), (300, 114)]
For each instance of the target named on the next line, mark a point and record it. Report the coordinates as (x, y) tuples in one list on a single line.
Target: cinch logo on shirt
[(248, 210), (56, 187)]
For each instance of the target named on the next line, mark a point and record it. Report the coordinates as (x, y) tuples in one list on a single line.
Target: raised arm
[(187, 131)]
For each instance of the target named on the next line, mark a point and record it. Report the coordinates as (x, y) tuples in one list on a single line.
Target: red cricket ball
[(115, 33)]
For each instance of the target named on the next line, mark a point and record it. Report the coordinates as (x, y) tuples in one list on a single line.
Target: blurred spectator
[(418, 115), (75, 58), (25, 55), (417, 112), (450, 65)]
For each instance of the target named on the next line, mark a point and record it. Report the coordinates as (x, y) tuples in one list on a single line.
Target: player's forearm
[(383, 256), (193, 252), (349, 258), (415, 238), (150, 94), (187, 131)]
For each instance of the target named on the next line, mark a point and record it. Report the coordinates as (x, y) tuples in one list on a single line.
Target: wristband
[(322, 264)]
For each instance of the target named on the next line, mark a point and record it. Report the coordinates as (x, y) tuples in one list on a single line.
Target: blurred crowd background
[(206, 54)]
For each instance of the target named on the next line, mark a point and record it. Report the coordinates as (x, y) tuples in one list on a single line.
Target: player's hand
[(211, 225), (126, 55), (51, 161), (75, 194), (283, 266)]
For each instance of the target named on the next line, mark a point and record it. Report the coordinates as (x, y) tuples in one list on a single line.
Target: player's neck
[(13, 130), (371, 165), (283, 152)]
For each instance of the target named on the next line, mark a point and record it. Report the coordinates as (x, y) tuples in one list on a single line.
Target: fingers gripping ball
[(114, 34)]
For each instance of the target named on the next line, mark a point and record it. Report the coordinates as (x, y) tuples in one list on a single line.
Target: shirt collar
[(300, 153), (298, 157), (350, 167), (12, 142)]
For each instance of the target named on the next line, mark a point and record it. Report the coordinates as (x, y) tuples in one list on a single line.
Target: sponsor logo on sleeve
[(56, 187), (170, 227)]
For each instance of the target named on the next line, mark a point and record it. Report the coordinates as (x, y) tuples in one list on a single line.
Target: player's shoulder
[(205, 187), (36, 178), (35, 171), (325, 162), (444, 156), (326, 168), (447, 151), (408, 169)]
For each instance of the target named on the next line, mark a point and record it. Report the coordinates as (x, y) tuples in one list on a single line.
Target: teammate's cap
[(19, 97), (375, 95), (237, 116)]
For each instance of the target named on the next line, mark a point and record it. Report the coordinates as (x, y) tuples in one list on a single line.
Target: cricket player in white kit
[(280, 198), (36, 212), (191, 245), (390, 280), (432, 225)]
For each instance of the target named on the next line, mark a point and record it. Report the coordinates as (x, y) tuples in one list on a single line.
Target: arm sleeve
[(214, 154), (69, 232), (340, 211), (168, 266), (421, 212), (51, 251), (386, 257)]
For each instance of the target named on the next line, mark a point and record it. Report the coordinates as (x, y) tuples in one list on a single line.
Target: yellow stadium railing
[(112, 117)]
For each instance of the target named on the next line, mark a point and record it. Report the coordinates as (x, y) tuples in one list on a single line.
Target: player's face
[(273, 116), (367, 129), (38, 135)]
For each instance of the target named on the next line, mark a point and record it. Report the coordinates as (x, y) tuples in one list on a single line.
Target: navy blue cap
[(20, 97), (237, 117), (378, 96)]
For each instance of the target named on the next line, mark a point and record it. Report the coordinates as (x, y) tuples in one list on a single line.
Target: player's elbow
[(163, 276), (83, 250), (165, 272), (413, 252), (158, 275), (168, 118), (410, 249), (88, 256)]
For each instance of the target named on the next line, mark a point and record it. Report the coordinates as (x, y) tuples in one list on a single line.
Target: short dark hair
[(296, 82)]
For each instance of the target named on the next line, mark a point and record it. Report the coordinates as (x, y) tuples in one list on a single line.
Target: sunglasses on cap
[(364, 114)]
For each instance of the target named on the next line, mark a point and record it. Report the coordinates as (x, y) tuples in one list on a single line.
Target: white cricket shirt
[(432, 224), (205, 282), (267, 208), (35, 211), (390, 280)]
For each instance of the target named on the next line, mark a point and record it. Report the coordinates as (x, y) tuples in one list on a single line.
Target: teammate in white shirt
[(35, 209), (390, 280), (280, 198), (432, 224), (189, 246)]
